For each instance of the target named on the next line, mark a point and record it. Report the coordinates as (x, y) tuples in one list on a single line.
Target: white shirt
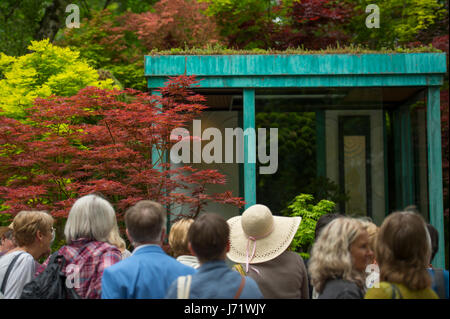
[(191, 261)]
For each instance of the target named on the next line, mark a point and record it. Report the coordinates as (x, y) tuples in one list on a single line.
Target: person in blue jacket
[(208, 239), (149, 271)]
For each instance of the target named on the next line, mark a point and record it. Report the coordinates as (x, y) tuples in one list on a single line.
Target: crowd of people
[(247, 256)]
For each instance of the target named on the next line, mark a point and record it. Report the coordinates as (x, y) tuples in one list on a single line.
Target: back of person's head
[(26, 224), (434, 237), (403, 250), (145, 222), (90, 217), (330, 255), (324, 220), (209, 236), (178, 240)]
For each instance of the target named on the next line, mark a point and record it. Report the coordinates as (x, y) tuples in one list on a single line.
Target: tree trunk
[(52, 20)]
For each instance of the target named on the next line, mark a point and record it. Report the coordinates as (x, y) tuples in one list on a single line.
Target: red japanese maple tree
[(173, 24), (101, 140), (315, 24)]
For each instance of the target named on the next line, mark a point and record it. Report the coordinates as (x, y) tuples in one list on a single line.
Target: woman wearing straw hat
[(259, 242)]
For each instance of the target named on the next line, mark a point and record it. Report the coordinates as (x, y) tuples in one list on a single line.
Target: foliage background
[(310, 210)]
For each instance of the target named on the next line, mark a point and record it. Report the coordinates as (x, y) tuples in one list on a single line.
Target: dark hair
[(403, 251), (412, 209), (434, 236), (145, 221), (209, 235), (325, 220)]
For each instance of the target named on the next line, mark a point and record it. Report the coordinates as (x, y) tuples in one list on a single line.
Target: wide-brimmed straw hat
[(258, 236)]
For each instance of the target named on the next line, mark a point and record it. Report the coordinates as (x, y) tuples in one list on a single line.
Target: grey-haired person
[(88, 252)]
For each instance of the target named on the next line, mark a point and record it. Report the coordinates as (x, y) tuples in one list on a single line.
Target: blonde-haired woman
[(115, 239), (372, 231), (339, 259), (33, 233), (403, 250), (178, 242), (89, 224)]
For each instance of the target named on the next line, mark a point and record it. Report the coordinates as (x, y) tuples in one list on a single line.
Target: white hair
[(90, 217)]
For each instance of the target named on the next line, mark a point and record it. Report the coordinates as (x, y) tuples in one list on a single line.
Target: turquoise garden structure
[(377, 120)]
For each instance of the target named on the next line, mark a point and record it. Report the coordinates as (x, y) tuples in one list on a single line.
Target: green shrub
[(303, 206)]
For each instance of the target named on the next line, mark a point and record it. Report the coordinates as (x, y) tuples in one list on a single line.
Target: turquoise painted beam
[(249, 148), (296, 64), (308, 81), (435, 170)]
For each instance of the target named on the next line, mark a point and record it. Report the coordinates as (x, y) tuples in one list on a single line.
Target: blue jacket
[(431, 271), (147, 274), (215, 280)]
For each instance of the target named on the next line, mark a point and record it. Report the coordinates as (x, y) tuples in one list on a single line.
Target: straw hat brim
[(268, 247)]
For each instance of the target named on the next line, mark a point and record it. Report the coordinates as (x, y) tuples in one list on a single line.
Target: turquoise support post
[(156, 155), (435, 170), (321, 166), (249, 148), (386, 167), (157, 158)]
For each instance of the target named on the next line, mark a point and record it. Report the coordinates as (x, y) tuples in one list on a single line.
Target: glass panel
[(355, 182), (354, 164), (296, 171)]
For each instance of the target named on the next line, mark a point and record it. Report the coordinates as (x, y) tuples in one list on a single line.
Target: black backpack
[(51, 283)]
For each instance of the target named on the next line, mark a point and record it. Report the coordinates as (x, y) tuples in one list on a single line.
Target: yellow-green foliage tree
[(47, 70)]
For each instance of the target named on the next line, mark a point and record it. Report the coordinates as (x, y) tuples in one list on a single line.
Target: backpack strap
[(238, 293), (183, 287), (10, 267), (439, 281)]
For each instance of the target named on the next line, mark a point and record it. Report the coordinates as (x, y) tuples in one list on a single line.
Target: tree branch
[(106, 4), (16, 5), (51, 21)]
